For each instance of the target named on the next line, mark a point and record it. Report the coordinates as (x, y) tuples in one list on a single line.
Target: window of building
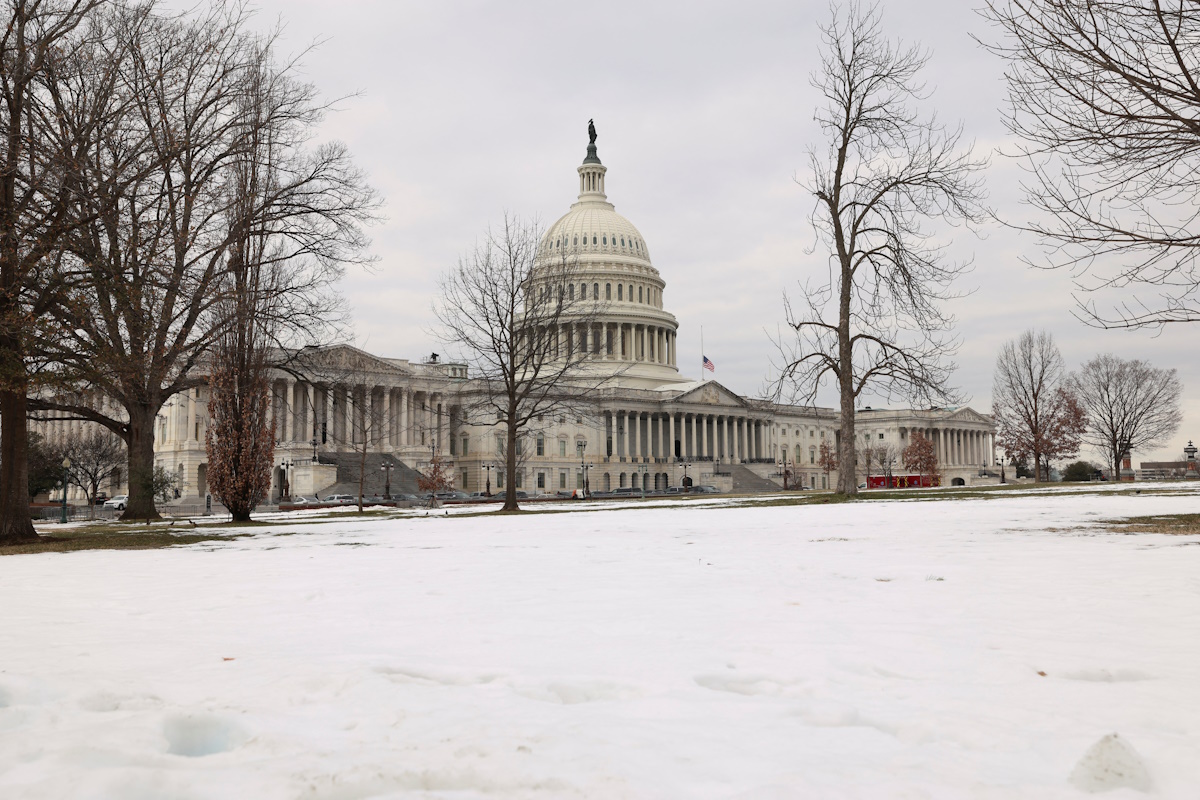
[(541, 482), (541, 445), (562, 448), (562, 479), (881, 436), (620, 291), (519, 478), (500, 478), (571, 292), (576, 240), (631, 292), (812, 456), (453, 447), (464, 445), (604, 240), (639, 294), (596, 290), (593, 238), (608, 291), (622, 241), (583, 291), (463, 485)]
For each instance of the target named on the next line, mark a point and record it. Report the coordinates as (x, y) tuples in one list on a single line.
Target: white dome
[(594, 227)]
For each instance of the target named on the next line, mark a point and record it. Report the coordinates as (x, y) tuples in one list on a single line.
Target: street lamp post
[(314, 447), (489, 468), (641, 472), (66, 465), (687, 487), (286, 494), (581, 446), (387, 468)]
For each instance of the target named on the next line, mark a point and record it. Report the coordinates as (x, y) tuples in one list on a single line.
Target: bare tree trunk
[(510, 465), (141, 463), (16, 523)]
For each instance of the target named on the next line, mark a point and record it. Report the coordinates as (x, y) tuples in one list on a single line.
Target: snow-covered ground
[(973, 648)]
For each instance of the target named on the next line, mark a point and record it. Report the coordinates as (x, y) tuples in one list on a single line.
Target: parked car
[(453, 496), (300, 500), (705, 490), (119, 502), (100, 499), (341, 499)]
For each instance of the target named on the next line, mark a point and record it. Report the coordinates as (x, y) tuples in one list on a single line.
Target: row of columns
[(614, 341), (961, 447), (649, 435), (380, 415)]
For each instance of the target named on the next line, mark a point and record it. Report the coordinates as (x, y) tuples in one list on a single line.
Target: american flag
[(708, 365)]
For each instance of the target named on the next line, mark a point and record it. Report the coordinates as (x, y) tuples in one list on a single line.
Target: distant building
[(1171, 470)]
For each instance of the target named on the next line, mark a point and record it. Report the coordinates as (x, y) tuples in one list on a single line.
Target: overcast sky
[(462, 111)]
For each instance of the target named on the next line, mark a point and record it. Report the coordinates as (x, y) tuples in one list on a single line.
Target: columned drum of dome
[(634, 335)]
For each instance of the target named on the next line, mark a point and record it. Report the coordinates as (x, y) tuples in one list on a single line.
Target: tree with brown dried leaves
[(920, 456), (1037, 416)]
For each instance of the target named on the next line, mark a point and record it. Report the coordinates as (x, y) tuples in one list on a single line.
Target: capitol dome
[(635, 333)]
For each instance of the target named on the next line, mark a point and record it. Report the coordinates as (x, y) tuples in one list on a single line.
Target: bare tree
[(1131, 405), (877, 324), (36, 181), (526, 322), (1105, 96), (1037, 415), (95, 453), (212, 110)]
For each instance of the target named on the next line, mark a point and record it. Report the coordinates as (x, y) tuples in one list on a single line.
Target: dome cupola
[(636, 333)]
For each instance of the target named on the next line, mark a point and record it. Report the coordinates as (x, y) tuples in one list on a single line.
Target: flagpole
[(703, 355)]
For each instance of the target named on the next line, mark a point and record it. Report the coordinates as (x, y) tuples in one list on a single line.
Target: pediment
[(967, 414), (711, 393), (329, 362)]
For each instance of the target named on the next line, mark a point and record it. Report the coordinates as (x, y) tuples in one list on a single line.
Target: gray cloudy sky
[(466, 110)]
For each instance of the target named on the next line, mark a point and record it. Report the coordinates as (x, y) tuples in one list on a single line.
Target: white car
[(117, 502), (341, 499)]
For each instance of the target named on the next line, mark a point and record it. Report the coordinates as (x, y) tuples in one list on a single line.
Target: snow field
[(888, 649)]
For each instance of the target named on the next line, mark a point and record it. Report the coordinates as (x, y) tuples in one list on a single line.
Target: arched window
[(622, 241), (576, 240), (593, 238), (571, 292), (608, 291), (639, 294), (596, 290), (620, 290), (631, 292), (604, 240), (583, 291)]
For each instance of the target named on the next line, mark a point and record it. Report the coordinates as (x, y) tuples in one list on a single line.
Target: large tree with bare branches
[(36, 192), (213, 162), (516, 315), (885, 172), (1131, 405), (1104, 96)]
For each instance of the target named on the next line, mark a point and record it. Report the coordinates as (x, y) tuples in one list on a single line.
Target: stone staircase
[(746, 480), (404, 478)]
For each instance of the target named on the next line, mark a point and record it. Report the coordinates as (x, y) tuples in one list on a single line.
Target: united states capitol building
[(648, 427)]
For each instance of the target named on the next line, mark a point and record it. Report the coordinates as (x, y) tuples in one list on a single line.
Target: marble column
[(671, 436)]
